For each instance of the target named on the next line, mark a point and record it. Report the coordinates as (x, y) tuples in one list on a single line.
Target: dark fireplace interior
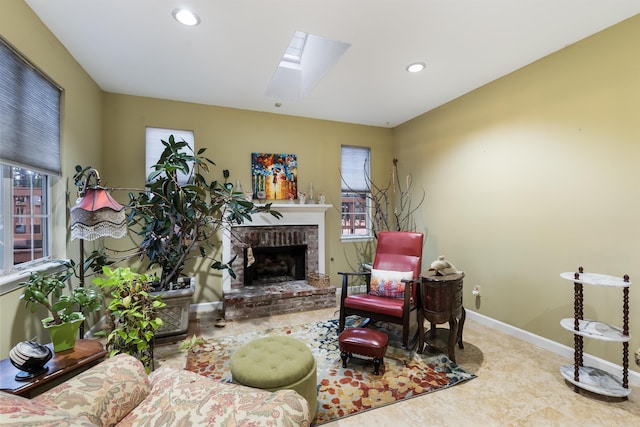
[(275, 264)]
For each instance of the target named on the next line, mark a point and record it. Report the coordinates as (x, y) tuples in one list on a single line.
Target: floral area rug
[(343, 391)]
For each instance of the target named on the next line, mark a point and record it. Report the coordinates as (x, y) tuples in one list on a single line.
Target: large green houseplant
[(181, 210), (65, 309)]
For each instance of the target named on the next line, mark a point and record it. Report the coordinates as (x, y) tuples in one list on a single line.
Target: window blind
[(29, 115), (355, 168), (154, 147)]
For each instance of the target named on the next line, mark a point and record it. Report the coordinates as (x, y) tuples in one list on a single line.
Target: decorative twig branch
[(392, 207)]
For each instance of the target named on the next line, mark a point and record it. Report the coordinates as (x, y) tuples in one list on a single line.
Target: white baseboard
[(206, 307), (356, 289), (555, 347)]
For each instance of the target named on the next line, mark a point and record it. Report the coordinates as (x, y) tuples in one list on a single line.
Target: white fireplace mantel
[(292, 214)]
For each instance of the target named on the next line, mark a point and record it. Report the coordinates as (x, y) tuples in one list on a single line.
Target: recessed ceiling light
[(416, 67), (186, 17)]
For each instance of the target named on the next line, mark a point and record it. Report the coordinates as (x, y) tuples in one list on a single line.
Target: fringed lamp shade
[(97, 215)]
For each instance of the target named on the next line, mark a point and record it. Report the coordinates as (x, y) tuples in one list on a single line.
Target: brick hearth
[(249, 302)]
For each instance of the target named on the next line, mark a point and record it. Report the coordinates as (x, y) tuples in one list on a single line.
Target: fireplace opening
[(275, 264)]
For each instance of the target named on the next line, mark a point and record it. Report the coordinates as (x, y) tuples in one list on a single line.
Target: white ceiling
[(136, 47)]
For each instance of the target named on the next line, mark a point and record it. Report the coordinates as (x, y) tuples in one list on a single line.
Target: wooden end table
[(441, 302), (62, 366)]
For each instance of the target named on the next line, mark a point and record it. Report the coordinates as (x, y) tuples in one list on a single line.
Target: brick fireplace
[(273, 259), (276, 239)]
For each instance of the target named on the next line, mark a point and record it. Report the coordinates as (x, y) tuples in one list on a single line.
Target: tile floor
[(518, 383)]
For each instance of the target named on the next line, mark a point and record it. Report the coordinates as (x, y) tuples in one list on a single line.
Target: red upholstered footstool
[(365, 342)]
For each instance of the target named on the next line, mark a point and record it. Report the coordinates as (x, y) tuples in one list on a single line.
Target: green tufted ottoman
[(276, 363)]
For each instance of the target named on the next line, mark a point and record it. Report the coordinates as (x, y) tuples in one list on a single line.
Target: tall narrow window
[(355, 217), (29, 158)]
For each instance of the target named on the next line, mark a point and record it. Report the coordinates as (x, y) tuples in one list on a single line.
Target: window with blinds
[(355, 215), (29, 157)]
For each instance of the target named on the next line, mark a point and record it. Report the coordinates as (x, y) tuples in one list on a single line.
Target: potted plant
[(66, 309), (178, 214), (133, 313)]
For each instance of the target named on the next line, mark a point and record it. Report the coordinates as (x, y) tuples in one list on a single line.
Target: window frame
[(31, 105), (8, 214), (158, 134), (350, 188)]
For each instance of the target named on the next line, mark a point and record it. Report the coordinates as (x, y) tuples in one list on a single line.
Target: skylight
[(306, 60), (295, 48)]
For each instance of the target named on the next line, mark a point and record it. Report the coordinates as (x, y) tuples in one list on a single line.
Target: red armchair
[(397, 251)]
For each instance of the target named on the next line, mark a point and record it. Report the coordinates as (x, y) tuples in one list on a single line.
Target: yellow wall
[(536, 174), (81, 134), (230, 136)]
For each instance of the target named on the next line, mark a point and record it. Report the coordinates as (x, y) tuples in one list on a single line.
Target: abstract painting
[(274, 176)]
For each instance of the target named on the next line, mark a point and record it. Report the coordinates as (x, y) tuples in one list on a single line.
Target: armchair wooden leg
[(341, 322), (343, 295), (405, 338)]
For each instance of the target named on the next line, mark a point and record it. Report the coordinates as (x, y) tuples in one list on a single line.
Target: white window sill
[(12, 281), (345, 239)]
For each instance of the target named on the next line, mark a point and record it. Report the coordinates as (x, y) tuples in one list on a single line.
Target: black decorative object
[(30, 357)]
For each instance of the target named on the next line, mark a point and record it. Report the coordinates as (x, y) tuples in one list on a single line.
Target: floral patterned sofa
[(118, 392)]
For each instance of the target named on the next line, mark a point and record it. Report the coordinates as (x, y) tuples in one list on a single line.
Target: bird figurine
[(443, 267)]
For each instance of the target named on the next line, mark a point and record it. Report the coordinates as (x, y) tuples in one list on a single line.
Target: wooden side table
[(62, 366), (441, 302)]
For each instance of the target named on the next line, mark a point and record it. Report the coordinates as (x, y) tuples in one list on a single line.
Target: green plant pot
[(63, 336)]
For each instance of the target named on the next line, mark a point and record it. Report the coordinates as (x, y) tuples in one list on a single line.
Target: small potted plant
[(66, 310), (133, 313)]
